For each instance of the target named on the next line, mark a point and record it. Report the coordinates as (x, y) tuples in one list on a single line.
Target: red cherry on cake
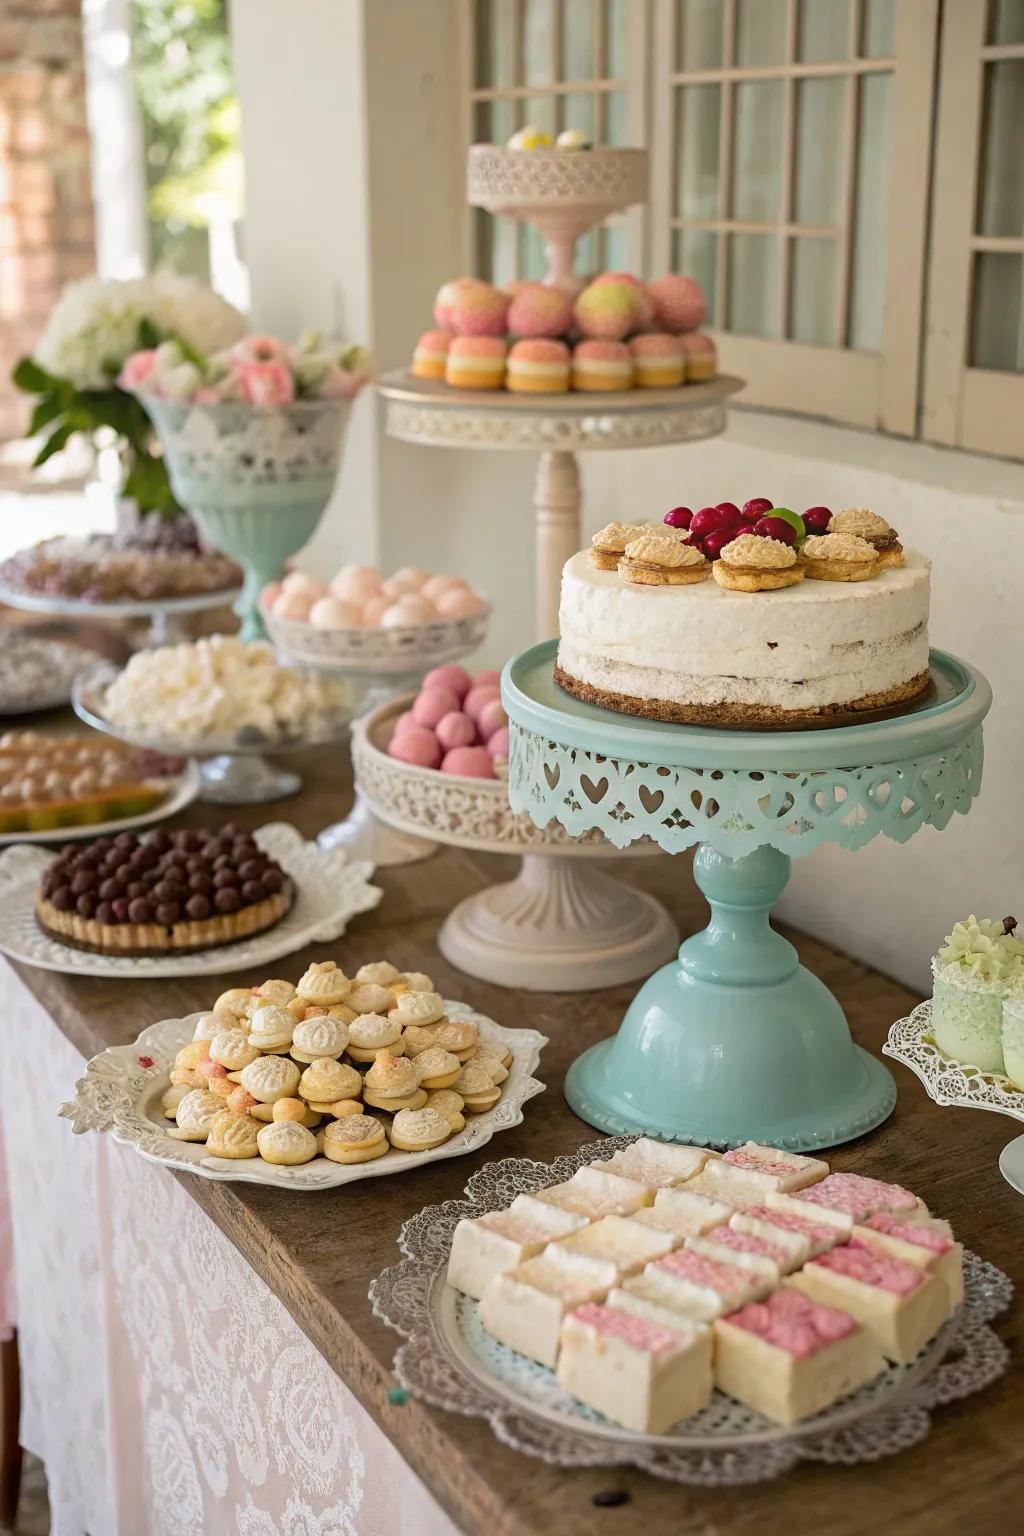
[(757, 507), (707, 520), (775, 528), (817, 519), (743, 528), (729, 513), (679, 517), (715, 542)]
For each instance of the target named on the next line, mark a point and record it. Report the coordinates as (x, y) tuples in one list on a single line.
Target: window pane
[(536, 42), (587, 256), (495, 122), (694, 253), (617, 39), (1001, 192), (819, 150), (878, 29), (753, 308), (699, 34), (532, 260), (823, 30), (494, 23), (757, 150), (1006, 21), (867, 255), (540, 110), (578, 112), (615, 248), (997, 331), (813, 292), (616, 118), (578, 40), (503, 251), (697, 120), (761, 31)]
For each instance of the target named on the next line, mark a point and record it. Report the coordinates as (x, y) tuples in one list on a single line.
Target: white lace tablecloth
[(165, 1387)]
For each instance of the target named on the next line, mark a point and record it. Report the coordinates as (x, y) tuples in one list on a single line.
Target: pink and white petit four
[(660, 1164), (765, 1259), (594, 1193), (524, 1308), (853, 1195), (693, 1284), (928, 1244), (801, 1238), (639, 1374), (502, 1240), (683, 1213), (774, 1169), (618, 1240), (901, 1305)]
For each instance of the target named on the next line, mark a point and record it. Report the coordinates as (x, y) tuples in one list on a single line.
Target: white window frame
[(964, 406)]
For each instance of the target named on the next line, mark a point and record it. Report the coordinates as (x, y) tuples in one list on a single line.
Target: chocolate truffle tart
[(168, 893)]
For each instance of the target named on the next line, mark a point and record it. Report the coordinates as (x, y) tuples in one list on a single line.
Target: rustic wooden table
[(319, 1252)]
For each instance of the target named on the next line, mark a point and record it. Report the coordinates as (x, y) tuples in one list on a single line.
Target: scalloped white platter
[(953, 1084), (330, 890), (186, 787), (449, 1360), (128, 608), (122, 1087)]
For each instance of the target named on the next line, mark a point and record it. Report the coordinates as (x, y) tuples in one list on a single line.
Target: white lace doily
[(329, 890), (450, 1361), (381, 652), (122, 1088), (949, 1082)]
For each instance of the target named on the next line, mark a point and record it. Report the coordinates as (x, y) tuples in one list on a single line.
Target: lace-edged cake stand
[(558, 426), (956, 1084), (232, 772), (122, 1088), (735, 1039), (560, 925), (164, 613), (449, 1360)]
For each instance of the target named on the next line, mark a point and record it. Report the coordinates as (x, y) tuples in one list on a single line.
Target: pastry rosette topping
[(862, 522), (838, 546), (982, 948), (758, 552), (663, 549)]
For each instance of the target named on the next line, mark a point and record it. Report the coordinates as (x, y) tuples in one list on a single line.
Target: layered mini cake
[(166, 893)]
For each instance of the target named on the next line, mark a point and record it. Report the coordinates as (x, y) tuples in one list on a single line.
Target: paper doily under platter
[(953, 1084), (449, 1360)]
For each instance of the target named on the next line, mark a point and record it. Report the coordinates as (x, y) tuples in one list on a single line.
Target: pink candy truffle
[(455, 730), (356, 584), (491, 718), (643, 304), (405, 722), (435, 585), (417, 746), (479, 310), (477, 697), (333, 613), (446, 296), (678, 302), (497, 745), (459, 603), (457, 679), (410, 609), (491, 678), (431, 706), (468, 762), (539, 310), (374, 610), (293, 605)]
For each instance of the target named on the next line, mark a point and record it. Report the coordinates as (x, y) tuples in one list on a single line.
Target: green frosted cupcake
[(971, 974), (1013, 1033)]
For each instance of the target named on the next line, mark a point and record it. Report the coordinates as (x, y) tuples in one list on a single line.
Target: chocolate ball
[(63, 898), (159, 842), (114, 886), (251, 869), (225, 877), (227, 900), (126, 840), (253, 891), (120, 907), (85, 906), (83, 881), (273, 880), (105, 912), (200, 882), (168, 912), (141, 910), (198, 907)]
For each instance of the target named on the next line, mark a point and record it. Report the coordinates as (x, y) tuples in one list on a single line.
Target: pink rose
[(137, 369), (206, 395), (266, 383), (259, 349), (340, 383)]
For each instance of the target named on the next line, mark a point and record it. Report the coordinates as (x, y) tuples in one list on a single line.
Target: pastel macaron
[(431, 354), (538, 367), (643, 304), (679, 303), (479, 310), (602, 365), (446, 296), (658, 361), (700, 355), (540, 310), (476, 362), (606, 311)]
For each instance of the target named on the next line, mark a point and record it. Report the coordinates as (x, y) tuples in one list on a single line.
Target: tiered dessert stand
[(164, 613), (560, 925), (736, 1039), (561, 194)]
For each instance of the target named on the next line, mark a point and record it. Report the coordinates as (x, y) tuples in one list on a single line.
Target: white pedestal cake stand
[(560, 925), (429, 412)]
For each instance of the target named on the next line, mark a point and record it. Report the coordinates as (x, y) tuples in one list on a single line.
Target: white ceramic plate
[(121, 1093), (329, 891), (186, 787)]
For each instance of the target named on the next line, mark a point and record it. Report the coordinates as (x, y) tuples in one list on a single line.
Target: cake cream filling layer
[(818, 643)]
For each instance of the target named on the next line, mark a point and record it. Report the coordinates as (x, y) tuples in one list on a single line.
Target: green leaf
[(147, 483), (30, 377), (149, 335), (48, 408), (54, 443)]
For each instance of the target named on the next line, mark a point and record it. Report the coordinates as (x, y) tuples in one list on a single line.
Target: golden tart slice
[(167, 893)]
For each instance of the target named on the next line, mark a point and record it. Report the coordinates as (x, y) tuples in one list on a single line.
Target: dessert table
[(198, 1355)]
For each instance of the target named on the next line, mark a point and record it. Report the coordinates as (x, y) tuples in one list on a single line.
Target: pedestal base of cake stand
[(229, 780), (364, 836), (734, 1040), (1011, 1164), (558, 927)]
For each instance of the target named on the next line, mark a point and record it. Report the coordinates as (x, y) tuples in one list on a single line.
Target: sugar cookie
[(417, 1130), (172, 1097), (493, 1050), (241, 1101), (270, 1078), (417, 1008), (286, 1143), (448, 1103), (271, 1028), (210, 1024), (380, 973), (233, 1135), (324, 983), (416, 981), (194, 1115), (371, 997), (419, 1038), (274, 993), (290, 1109), (370, 1034), (458, 1036), (319, 1039), (189, 1057), (232, 1050), (186, 1077), (354, 1139), (437, 1067), (475, 1085), (325, 1080), (240, 1002), (391, 1105), (392, 1076)]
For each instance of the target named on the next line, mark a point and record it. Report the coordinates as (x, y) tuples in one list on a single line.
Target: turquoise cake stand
[(735, 1039)]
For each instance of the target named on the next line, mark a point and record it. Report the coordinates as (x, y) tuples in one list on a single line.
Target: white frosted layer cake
[(704, 655)]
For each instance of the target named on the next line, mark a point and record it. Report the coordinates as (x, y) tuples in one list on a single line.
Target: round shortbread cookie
[(271, 1028), (379, 973), (194, 1115), (392, 1105), (458, 1036), (172, 1097), (233, 1135), (325, 1080), (232, 1050), (240, 1002), (371, 997), (419, 1038), (190, 1055), (437, 1067), (392, 1076), (210, 1024), (286, 1143), (274, 993), (416, 981), (354, 1139), (370, 1034), (448, 1103), (318, 1038), (270, 1078), (417, 1130), (324, 983), (417, 1008)]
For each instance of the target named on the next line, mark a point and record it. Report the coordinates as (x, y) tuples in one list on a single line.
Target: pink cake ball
[(491, 718), (477, 697), (479, 311), (446, 296), (497, 745), (606, 311), (399, 585), (678, 302), (455, 730), (408, 611), (270, 594), (293, 605), (431, 706), (538, 310), (405, 722), (411, 577), (298, 581), (435, 585), (416, 745), (468, 763), (459, 603), (455, 678), (333, 613), (642, 302), (356, 584), (517, 286), (373, 611), (489, 679)]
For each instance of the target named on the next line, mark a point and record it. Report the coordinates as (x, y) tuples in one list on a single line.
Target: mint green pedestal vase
[(735, 1039), (255, 478)]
